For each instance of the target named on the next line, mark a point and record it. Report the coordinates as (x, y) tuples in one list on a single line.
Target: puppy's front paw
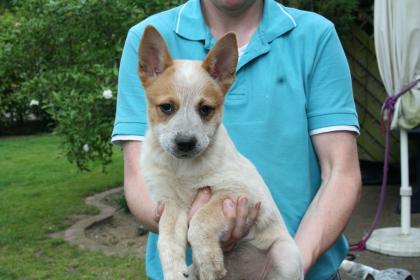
[(191, 273), (210, 267), (177, 276), (176, 273), (212, 272)]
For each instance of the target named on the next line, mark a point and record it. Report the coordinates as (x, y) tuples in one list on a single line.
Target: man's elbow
[(351, 182), (355, 183), (358, 186)]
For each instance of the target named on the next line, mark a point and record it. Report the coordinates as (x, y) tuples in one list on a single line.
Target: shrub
[(5, 4), (82, 103), (341, 12), (58, 58)]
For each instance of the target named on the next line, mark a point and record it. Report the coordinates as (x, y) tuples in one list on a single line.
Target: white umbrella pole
[(405, 240), (405, 190)]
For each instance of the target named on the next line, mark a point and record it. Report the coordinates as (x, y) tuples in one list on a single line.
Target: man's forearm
[(135, 190), (335, 200), (327, 216)]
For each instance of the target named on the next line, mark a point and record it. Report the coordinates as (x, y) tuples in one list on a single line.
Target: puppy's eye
[(167, 108), (205, 110)]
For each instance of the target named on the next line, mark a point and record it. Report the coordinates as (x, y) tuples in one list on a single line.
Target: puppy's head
[(185, 98)]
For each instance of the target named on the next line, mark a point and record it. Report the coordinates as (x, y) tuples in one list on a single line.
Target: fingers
[(158, 211), (241, 218), (201, 198), (229, 210), (228, 246), (252, 216), (152, 223)]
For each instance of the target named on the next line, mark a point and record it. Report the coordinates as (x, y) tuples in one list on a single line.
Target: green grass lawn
[(38, 189)]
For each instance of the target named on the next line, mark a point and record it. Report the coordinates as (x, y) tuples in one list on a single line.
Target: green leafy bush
[(82, 103), (59, 61), (5, 4), (341, 12)]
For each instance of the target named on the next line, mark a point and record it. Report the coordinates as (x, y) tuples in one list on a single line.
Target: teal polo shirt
[(292, 79)]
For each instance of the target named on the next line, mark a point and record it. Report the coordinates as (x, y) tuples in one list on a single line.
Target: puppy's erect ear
[(154, 56), (221, 62)]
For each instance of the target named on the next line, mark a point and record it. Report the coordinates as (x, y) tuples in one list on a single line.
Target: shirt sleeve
[(330, 95), (118, 140), (131, 117), (334, 128)]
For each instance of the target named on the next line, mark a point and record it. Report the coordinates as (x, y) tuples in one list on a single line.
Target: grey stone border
[(76, 233)]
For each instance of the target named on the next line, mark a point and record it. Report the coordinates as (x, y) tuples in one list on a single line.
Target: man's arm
[(340, 189), (135, 190)]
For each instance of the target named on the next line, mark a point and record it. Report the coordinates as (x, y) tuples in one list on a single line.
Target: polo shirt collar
[(190, 22), (275, 21), (191, 25)]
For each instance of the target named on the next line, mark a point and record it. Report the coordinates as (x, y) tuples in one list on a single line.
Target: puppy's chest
[(167, 182), (183, 186)]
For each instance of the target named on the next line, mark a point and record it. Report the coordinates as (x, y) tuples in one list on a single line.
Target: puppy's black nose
[(185, 143)]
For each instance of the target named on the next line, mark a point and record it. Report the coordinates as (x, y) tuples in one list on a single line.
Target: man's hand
[(158, 213), (201, 198), (241, 216)]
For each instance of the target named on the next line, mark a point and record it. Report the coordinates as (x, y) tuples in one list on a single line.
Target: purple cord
[(389, 107)]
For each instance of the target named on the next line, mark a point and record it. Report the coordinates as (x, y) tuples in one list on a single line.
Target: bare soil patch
[(113, 231)]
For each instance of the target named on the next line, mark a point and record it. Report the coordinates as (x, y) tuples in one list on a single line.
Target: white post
[(405, 190)]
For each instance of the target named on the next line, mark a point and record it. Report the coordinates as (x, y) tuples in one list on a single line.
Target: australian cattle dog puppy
[(187, 147)]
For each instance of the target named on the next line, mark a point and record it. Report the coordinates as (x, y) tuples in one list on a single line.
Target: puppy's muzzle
[(185, 144)]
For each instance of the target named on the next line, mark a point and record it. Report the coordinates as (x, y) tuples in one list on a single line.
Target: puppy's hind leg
[(283, 261)]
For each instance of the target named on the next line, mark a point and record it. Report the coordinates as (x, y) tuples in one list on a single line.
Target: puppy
[(186, 148)]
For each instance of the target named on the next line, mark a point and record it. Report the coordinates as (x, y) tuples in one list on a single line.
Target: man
[(290, 111)]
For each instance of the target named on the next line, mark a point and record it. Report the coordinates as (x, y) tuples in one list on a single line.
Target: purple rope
[(389, 106)]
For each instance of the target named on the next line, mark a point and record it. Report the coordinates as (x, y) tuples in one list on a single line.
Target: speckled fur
[(175, 182)]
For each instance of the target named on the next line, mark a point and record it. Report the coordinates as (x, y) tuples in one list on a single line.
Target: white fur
[(215, 163), (189, 81), (223, 168)]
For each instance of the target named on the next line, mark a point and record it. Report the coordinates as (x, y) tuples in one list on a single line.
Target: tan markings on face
[(161, 91), (213, 98)]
